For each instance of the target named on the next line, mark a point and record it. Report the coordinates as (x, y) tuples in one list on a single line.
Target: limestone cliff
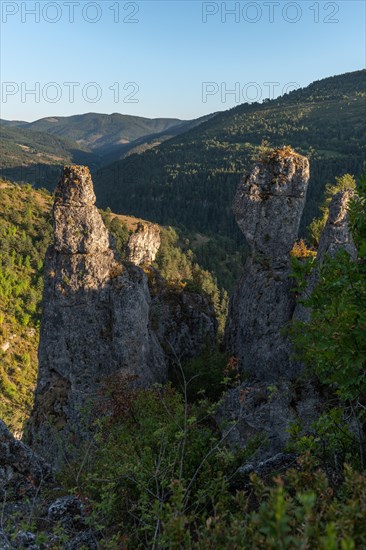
[(184, 322), (336, 234), (28, 490), (268, 207), (100, 317), (95, 320), (22, 472)]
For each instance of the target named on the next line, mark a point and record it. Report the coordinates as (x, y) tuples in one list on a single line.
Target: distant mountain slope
[(149, 141), (16, 123), (37, 157), (100, 132), (191, 179), (93, 139)]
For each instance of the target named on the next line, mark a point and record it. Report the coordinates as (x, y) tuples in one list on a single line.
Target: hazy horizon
[(55, 115)]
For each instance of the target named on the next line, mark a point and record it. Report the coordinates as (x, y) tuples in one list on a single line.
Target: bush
[(159, 476), (333, 343)]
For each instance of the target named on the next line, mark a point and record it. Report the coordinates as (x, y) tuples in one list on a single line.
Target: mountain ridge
[(191, 179)]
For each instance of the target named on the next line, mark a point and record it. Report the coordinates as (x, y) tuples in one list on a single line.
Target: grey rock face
[(184, 322), (278, 462), (67, 511), (22, 472), (268, 207), (4, 541), (335, 236), (95, 321), (27, 483), (143, 245), (25, 539), (256, 410)]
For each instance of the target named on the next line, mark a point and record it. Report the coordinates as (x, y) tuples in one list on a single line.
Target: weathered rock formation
[(22, 472), (27, 493), (95, 319), (184, 322), (268, 207), (101, 318), (335, 236), (262, 413), (144, 244)]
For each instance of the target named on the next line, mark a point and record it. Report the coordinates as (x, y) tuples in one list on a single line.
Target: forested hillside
[(37, 157), (25, 232), (191, 179), (35, 152)]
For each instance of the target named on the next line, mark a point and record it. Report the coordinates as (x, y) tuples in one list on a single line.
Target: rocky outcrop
[(184, 322), (268, 207), (22, 472), (95, 321), (27, 489), (100, 318), (335, 236), (259, 416), (143, 245)]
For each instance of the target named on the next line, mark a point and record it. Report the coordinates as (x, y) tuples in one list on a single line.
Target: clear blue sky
[(168, 53)]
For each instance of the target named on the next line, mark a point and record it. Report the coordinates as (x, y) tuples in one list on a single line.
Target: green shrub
[(159, 476), (333, 343)]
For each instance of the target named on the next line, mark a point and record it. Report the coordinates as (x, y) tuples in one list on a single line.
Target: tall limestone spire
[(95, 321), (268, 207)]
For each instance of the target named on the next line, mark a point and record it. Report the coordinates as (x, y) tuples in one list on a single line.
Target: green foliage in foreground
[(159, 475), (333, 344)]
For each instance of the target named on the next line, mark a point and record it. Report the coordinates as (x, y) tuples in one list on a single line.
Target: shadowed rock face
[(95, 320), (184, 322), (266, 412), (22, 472), (27, 483), (268, 207), (264, 304), (335, 236), (99, 319), (144, 244)]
